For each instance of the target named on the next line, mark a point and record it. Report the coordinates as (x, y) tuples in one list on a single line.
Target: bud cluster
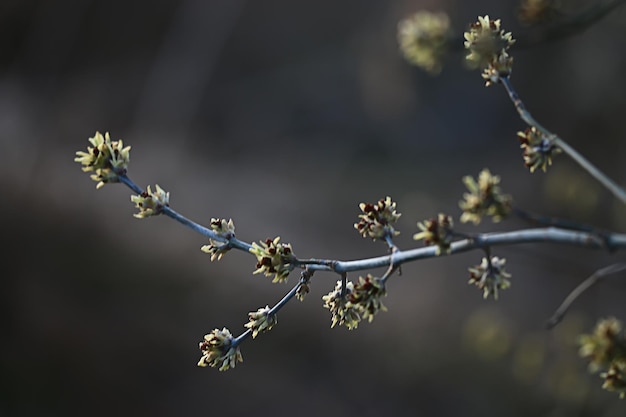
[(107, 159), (341, 310), (436, 232), (376, 220), (366, 296), (537, 149), (490, 276), (217, 350), (274, 259), (150, 203), (423, 39), (261, 321), (605, 349), (488, 44), (484, 199), (360, 301), (223, 228)]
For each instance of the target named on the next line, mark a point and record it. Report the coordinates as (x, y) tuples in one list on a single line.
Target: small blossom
[(537, 149), (423, 39), (484, 199), (486, 42), (107, 159), (274, 258), (498, 68), (488, 45), (376, 219), (302, 291), (217, 350), (615, 378), (365, 296), (303, 288), (261, 321), (343, 312), (225, 229), (436, 232), (538, 11), (150, 203), (604, 345), (490, 276), (605, 348)]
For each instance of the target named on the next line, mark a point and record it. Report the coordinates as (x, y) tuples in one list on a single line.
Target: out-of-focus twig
[(578, 291)]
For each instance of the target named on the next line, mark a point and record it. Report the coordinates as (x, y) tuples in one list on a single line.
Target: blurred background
[(285, 115)]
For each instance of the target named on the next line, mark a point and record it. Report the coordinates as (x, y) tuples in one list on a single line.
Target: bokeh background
[(284, 115)]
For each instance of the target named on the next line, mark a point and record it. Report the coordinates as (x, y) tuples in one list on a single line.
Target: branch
[(580, 289), (398, 257), (561, 144)]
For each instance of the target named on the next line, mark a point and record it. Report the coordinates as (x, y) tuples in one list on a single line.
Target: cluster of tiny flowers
[(150, 203), (217, 350), (341, 310), (261, 321), (537, 11), (225, 229), (302, 291), (423, 39), (605, 349), (360, 301), (274, 259), (365, 296), (436, 232), (107, 159), (303, 288), (490, 276), (537, 149), (488, 45), (376, 219), (484, 199)]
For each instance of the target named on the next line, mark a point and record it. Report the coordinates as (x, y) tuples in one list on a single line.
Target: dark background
[(284, 115)]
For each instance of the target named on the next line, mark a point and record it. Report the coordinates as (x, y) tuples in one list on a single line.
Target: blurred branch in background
[(182, 69)]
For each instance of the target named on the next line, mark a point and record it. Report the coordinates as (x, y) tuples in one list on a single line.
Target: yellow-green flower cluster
[(376, 220), (436, 232), (274, 259), (487, 44), (365, 296), (305, 280), (341, 310), (261, 321), (537, 149), (605, 349), (423, 39), (360, 301), (216, 248), (615, 378), (484, 199), (490, 276), (107, 159), (303, 290), (217, 350), (150, 203)]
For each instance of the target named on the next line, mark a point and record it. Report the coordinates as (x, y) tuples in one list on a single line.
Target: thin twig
[(580, 289), (283, 301), (553, 221), (609, 184)]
